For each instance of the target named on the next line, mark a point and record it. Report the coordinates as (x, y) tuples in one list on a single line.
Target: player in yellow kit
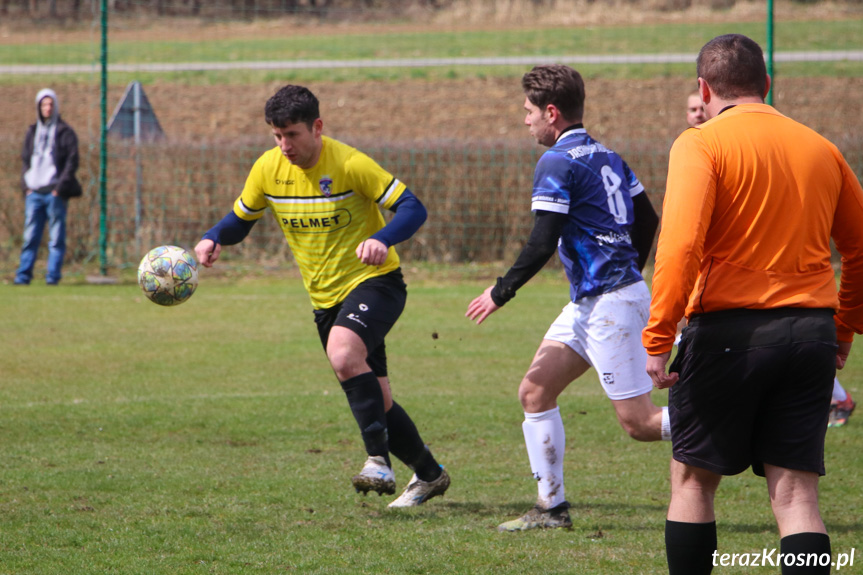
[(327, 198)]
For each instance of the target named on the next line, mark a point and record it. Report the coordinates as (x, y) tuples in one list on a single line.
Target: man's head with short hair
[(695, 110), (558, 85), (292, 105), (733, 66)]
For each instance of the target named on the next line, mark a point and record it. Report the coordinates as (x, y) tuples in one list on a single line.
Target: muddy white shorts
[(606, 331)]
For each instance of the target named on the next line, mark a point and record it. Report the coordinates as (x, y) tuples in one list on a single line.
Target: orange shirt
[(751, 202)]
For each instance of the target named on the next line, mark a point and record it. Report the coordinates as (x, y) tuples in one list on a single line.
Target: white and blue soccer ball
[(168, 275)]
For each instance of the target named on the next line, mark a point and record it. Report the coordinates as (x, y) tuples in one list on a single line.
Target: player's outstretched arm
[(540, 247), (229, 231), (207, 252)]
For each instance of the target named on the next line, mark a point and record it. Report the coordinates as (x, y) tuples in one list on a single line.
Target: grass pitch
[(341, 51), (213, 438)]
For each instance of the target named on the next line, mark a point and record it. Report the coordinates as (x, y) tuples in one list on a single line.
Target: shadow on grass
[(613, 511), (610, 516), (771, 527)]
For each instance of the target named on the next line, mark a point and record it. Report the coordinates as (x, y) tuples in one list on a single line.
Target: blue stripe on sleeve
[(230, 230), (410, 215)]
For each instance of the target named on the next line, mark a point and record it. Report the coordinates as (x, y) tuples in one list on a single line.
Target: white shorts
[(606, 331)]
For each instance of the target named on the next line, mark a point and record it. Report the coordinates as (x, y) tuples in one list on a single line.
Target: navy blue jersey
[(580, 177)]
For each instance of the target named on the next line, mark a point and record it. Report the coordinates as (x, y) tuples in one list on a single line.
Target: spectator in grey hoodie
[(49, 162)]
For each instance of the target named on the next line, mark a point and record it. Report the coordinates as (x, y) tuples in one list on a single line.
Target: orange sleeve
[(847, 236), (690, 196)]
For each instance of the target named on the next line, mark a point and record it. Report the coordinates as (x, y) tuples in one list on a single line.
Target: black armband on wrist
[(501, 294)]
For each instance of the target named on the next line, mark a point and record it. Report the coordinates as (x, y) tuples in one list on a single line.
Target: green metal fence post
[(770, 49), (103, 147)]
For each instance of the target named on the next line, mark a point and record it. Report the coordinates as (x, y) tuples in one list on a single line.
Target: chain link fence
[(430, 89)]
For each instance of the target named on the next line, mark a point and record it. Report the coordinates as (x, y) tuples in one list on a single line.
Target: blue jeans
[(39, 209)]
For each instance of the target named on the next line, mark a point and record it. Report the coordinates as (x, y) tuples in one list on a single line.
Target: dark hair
[(556, 84), (733, 66), (292, 105)]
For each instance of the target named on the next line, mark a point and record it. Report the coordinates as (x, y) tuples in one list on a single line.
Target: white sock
[(666, 425), (839, 393), (545, 440)]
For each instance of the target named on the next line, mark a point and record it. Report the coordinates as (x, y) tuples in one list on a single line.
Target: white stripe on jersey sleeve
[(247, 210), (549, 206), (386, 196), (636, 190)]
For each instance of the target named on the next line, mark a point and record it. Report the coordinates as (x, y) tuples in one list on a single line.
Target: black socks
[(384, 432), (367, 404), (810, 549), (408, 446), (689, 547)]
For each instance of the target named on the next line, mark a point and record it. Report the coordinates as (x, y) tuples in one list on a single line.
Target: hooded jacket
[(64, 150)]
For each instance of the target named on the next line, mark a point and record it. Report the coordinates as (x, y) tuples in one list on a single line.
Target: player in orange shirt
[(842, 405), (752, 201)]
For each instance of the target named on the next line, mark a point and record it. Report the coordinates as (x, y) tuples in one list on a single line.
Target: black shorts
[(370, 311), (754, 388)]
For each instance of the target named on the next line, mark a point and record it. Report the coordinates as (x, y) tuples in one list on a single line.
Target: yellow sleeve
[(367, 178), (252, 203)]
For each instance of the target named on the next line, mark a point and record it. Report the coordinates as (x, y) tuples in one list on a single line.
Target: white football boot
[(419, 491), (375, 476)]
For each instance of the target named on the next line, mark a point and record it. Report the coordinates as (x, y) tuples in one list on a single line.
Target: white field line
[(619, 59)]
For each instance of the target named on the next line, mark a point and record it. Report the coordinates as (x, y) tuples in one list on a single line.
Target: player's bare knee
[(526, 395), (345, 364), (535, 398)]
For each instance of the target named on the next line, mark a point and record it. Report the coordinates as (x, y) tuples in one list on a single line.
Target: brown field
[(419, 112)]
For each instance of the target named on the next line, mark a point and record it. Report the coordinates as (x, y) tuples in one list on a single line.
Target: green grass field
[(213, 438), (393, 43), (323, 44)]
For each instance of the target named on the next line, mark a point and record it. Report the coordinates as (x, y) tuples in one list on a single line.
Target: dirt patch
[(419, 112)]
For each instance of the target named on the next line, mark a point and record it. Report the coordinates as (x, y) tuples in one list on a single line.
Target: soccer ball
[(168, 275)]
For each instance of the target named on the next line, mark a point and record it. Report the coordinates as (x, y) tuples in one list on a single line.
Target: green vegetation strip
[(666, 38)]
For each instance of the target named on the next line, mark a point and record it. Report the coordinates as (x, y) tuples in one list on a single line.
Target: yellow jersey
[(325, 212)]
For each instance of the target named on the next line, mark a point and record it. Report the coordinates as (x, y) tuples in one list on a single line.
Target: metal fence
[(429, 89)]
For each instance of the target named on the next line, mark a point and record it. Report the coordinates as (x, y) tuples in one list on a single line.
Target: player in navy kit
[(590, 207)]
